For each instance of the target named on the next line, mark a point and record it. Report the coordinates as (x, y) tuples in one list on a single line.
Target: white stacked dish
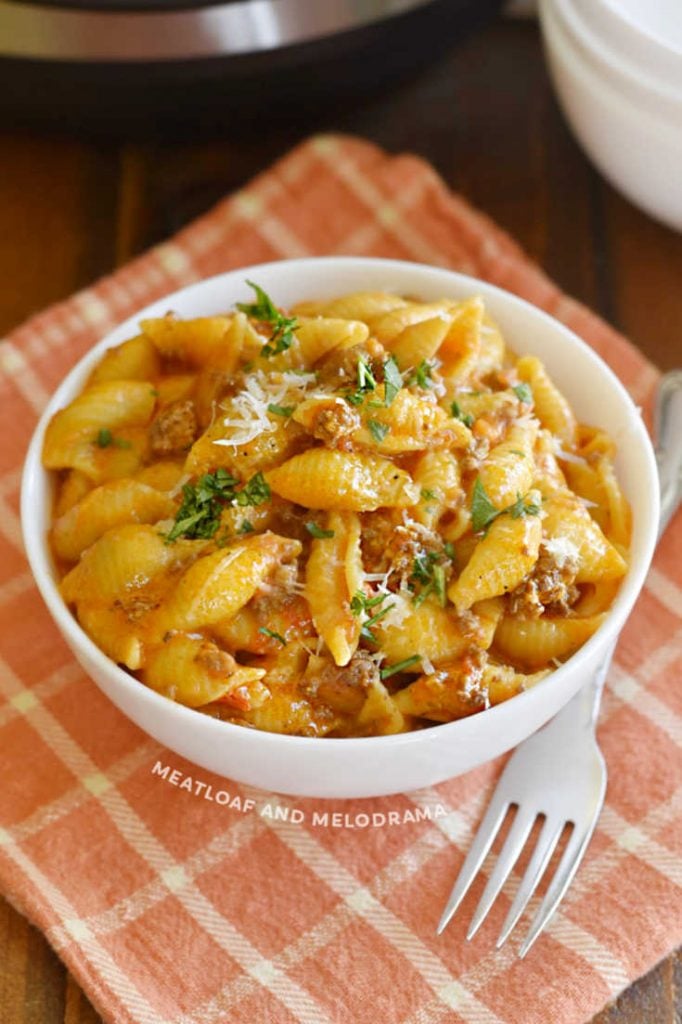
[(617, 70)]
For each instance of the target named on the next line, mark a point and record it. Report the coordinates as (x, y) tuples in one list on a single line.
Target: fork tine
[(570, 861), (509, 854), (540, 858), (478, 851)]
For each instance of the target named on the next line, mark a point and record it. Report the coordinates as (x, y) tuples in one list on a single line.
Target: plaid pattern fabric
[(176, 902)]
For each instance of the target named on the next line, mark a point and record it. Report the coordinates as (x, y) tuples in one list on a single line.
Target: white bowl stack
[(617, 70)]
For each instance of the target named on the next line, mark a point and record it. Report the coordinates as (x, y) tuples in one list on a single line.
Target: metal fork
[(559, 773)]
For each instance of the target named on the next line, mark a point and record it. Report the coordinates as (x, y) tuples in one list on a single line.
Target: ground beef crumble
[(175, 428)]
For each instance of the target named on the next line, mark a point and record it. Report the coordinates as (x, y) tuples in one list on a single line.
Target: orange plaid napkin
[(172, 904)]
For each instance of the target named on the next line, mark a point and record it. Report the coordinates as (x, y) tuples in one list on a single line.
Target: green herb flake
[(393, 380), (428, 571), (282, 410), (524, 393), (255, 492), (105, 439), (361, 603), (483, 512), (273, 635), (422, 375), (366, 383), (246, 527), (522, 508), (449, 549), (316, 531), (366, 379), (265, 311), (428, 495), (199, 514), (400, 666), (466, 418), (378, 430)]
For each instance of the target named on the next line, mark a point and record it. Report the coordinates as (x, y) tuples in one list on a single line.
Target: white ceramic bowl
[(645, 35), (622, 109), (388, 764)]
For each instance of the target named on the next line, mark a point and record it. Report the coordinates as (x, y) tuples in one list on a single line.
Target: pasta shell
[(110, 405), (388, 326), (203, 341), (420, 341), (193, 671), (73, 489), (413, 424), (430, 631), (438, 477), (461, 689), (356, 306), (500, 560), (533, 643), (113, 632), (551, 407), (333, 575), (461, 348), (380, 712), (509, 470), (492, 350), (125, 559), (214, 449), (216, 586), (320, 478), (599, 560), (135, 359), (112, 504)]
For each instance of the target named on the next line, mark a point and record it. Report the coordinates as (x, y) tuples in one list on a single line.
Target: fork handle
[(583, 709)]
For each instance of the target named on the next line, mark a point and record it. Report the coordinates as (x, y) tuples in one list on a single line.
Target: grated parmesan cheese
[(562, 550), (249, 408), (565, 456)]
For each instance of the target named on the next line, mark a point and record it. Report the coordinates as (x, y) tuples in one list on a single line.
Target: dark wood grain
[(486, 118)]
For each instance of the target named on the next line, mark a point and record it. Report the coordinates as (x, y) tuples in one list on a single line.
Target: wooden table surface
[(485, 117)]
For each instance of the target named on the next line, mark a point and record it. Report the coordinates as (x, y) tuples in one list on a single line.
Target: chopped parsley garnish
[(522, 508), (483, 512), (449, 549), (378, 430), (282, 410), (246, 527), (430, 574), (400, 666), (524, 393), (366, 379), (316, 531), (361, 603), (466, 418), (428, 495), (366, 383), (422, 375), (264, 310), (255, 492), (273, 635), (202, 503), (393, 380), (105, 439)]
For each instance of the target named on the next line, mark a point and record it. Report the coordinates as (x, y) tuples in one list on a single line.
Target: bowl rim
[(598, 51), (40, 561)]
